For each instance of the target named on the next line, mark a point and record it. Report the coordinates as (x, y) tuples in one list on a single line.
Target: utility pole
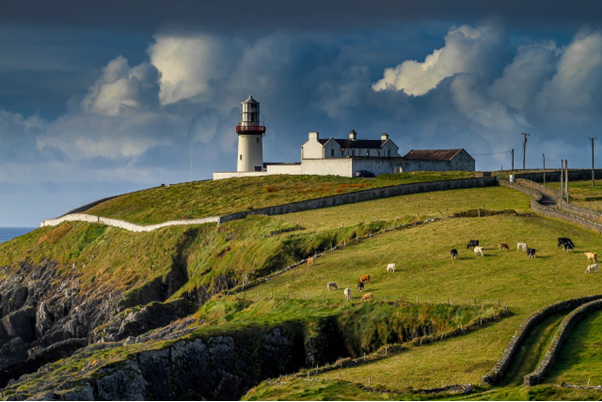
[(190, 156), (593, 172), (566, 180), (513, 159), (561, 180), (524, 147), (544, 168)]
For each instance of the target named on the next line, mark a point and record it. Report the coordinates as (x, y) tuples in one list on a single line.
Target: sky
[(103, 98)]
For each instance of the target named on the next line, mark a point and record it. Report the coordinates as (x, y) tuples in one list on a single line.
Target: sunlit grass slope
[(211, 198), (425, 270), (580, 357), (583, 194)]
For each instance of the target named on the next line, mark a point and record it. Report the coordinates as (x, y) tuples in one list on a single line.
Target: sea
[(7, 234)]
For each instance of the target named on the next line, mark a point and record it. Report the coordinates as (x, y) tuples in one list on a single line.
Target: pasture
[(583, 194), (425, 272)]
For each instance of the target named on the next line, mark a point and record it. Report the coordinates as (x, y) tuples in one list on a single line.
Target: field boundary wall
[(502, 365), (323, 202), (569, 322)]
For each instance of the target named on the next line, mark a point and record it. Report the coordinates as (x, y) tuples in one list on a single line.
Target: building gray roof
[(364, 144), (432, 154)]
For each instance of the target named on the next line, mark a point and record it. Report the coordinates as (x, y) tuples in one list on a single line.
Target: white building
[(340, 157)]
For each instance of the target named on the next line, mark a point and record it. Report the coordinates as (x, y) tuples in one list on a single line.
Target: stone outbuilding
[(437, 160)]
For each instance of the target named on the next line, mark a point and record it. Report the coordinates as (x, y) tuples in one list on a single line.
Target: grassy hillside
[(211, 198), (583, 194)]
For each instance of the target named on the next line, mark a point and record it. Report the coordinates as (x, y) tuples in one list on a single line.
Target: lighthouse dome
[(250, 100)]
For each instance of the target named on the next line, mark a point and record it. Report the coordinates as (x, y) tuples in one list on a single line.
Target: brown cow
[(503, 246), (367, 296), (360, 286), (365, 278), (310, 261), (591, 257)]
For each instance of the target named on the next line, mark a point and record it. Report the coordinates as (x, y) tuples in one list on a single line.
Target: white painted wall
[(250, 152), (227, 175)]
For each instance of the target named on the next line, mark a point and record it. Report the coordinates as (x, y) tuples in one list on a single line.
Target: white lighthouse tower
[(250, 136)]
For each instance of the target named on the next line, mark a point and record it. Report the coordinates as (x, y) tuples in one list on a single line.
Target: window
[(367, 152), (378, 152), (389, 152), (240, 158), (258, 140), (332, 152), (353, 152)]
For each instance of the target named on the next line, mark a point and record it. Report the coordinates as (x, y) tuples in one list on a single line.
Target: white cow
[(347, 292), (591, 268), (391, 268), (479, 250), (331, 285), (522, 246)]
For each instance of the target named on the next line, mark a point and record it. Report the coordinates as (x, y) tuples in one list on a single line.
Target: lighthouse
[(250, 137)]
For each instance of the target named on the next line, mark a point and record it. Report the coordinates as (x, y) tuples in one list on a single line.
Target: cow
[(530, 252), (503, 246), (592, 257), (391, 267), (367, 296), (522, 246), (591, 268), (310, 261), (331, 285), (565, 240), (453, 253), (360, 286), (479, 250), (365, 278), (347, 293), (472, 244)]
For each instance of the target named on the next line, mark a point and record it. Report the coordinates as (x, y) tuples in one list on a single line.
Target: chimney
[(314, 135), (353, 135), (384, 137)]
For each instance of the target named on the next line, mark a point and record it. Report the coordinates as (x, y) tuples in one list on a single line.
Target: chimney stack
[(353, 135), (384, 137)]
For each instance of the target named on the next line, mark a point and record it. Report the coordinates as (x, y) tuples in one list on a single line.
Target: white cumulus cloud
[(467, 49)]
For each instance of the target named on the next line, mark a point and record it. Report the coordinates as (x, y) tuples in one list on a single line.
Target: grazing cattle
[(310, 261), (347, 293), (391, 268), (530, 252), (332, 285), (453, 253), (591, 268), (565, 240), (367, 296), (479, 250), (365, 278), (592, 257), (522, 246), (503, 246), (360, 286), (568, 247), (472, 244)]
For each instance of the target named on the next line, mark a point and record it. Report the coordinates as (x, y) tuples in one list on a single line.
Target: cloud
[(121, 88), (187, 65), (466, 50)]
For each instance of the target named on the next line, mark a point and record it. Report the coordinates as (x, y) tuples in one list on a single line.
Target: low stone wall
[(501, 367), (525, 190), (366, 195), (569, 322), (565, 216), (554, 175), (132, 227)]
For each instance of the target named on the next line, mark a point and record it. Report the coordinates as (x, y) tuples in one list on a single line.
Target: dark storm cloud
[(262, 16)]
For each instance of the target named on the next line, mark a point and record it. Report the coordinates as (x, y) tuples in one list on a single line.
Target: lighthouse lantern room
[(250, 136)]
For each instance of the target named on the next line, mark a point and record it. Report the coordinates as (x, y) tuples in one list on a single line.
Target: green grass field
[(580, 358), (583, 194), (425, 270), (212, 198)]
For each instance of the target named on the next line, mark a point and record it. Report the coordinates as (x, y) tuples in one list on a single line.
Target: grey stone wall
[(366, 195), (569, 322), (502, 365), (554, 175)]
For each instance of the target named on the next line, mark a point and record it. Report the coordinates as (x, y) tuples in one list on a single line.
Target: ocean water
[(7, 234)]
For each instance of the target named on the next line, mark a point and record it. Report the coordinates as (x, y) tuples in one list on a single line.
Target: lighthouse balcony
[(250, 129)]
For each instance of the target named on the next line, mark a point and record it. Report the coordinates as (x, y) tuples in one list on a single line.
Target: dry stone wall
[(569, 322), (335, 200), (501, 367)]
